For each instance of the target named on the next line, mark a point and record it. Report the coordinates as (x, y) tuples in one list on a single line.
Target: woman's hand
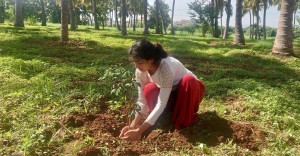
[(123, 131), (131, 134)]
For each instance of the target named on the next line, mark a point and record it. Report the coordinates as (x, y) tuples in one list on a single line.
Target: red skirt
[(183, 102)]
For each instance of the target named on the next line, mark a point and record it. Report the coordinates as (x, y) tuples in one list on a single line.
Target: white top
[(167, 76)]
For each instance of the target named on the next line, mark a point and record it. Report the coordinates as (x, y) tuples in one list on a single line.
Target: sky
[(182, 9)]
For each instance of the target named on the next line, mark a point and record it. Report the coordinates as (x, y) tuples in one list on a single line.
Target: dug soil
[(209, 129)]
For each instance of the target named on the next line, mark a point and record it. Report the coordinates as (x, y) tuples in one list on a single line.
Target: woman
[(163, 82)]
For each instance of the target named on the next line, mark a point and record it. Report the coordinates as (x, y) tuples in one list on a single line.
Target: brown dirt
[(209, 129)]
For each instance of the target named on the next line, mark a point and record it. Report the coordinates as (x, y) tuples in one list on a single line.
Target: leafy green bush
[(122, 85)]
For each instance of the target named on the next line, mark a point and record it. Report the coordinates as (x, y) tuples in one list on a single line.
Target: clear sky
[(182, 9)]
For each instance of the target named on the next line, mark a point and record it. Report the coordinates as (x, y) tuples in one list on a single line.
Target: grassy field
[(43, 80)]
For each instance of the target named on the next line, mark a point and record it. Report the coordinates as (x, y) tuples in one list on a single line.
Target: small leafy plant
[(123, 89)]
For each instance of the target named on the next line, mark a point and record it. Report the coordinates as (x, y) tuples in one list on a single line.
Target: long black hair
[(144, 49)]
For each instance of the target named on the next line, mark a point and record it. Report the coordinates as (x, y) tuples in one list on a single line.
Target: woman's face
[(142, 64)]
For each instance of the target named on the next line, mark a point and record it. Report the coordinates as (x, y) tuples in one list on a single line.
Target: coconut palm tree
[(116, 15), (133, 8), (221, 10), (64, 34), (43, 14), (257, 8), (146, 31), (283, 44), (253, 6), (72, 14), (157, 17), (228, 9), (265, 2), (95, 15), (239, 34), (2, 11), (124, 14), (19, 20), (296, 8), (172, 19)]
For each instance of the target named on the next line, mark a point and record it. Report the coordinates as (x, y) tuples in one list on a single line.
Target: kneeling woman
[(163, 82)]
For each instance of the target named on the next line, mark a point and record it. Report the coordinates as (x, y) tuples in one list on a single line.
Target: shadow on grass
[(212, 130), (222, 73)]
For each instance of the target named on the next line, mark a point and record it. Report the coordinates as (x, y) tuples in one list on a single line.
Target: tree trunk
[(134, 14), (146, 31), (172, 22), (257, 20), (216, 24), (116, 15), (264, 21), (64, 20), (213, 20), (239, 34), (103, 24), (58, 14), (124, 11), (142, 26), (295, 12), (283, 44), (253, 23), (95, 15), (164, 29), (19, 20), (43, 14), (250, 32), (157, 17), (228, 13), (111, 17), (2, 11), (72, 15)]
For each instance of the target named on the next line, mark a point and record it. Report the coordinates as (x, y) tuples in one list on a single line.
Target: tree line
[(206, 16)]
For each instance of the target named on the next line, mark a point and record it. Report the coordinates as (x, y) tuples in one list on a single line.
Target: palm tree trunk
[(116, 15), (64, 20), (213, 20), (250, 32), (216, 24), (283, 44), (146, 31), (257, 26), (142, 25), (172, 20), (264, 21), (43, 14), (228, 13), (239, 34), (134, 14), (72, 15), (111, 17), (95, 15), (157, 17), (257, 20), (2, 11), (253, 23), (295, 12), (124, 11), (19, 20), (162, 21)]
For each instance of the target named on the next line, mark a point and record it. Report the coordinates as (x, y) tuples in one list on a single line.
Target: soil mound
[(209, 129)]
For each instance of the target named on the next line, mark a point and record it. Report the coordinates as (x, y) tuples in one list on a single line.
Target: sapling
[(133, 108), (122, 81)]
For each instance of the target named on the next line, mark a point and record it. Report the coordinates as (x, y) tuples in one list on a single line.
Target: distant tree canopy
[(164, 17), (203, 15)]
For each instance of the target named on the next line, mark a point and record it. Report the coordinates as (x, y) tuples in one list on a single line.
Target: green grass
[(40, 78)]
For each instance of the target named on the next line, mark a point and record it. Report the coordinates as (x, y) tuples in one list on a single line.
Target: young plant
[(120, 81), (122, 90)]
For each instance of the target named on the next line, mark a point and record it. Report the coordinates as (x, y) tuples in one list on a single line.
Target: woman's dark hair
[(144, 49)]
